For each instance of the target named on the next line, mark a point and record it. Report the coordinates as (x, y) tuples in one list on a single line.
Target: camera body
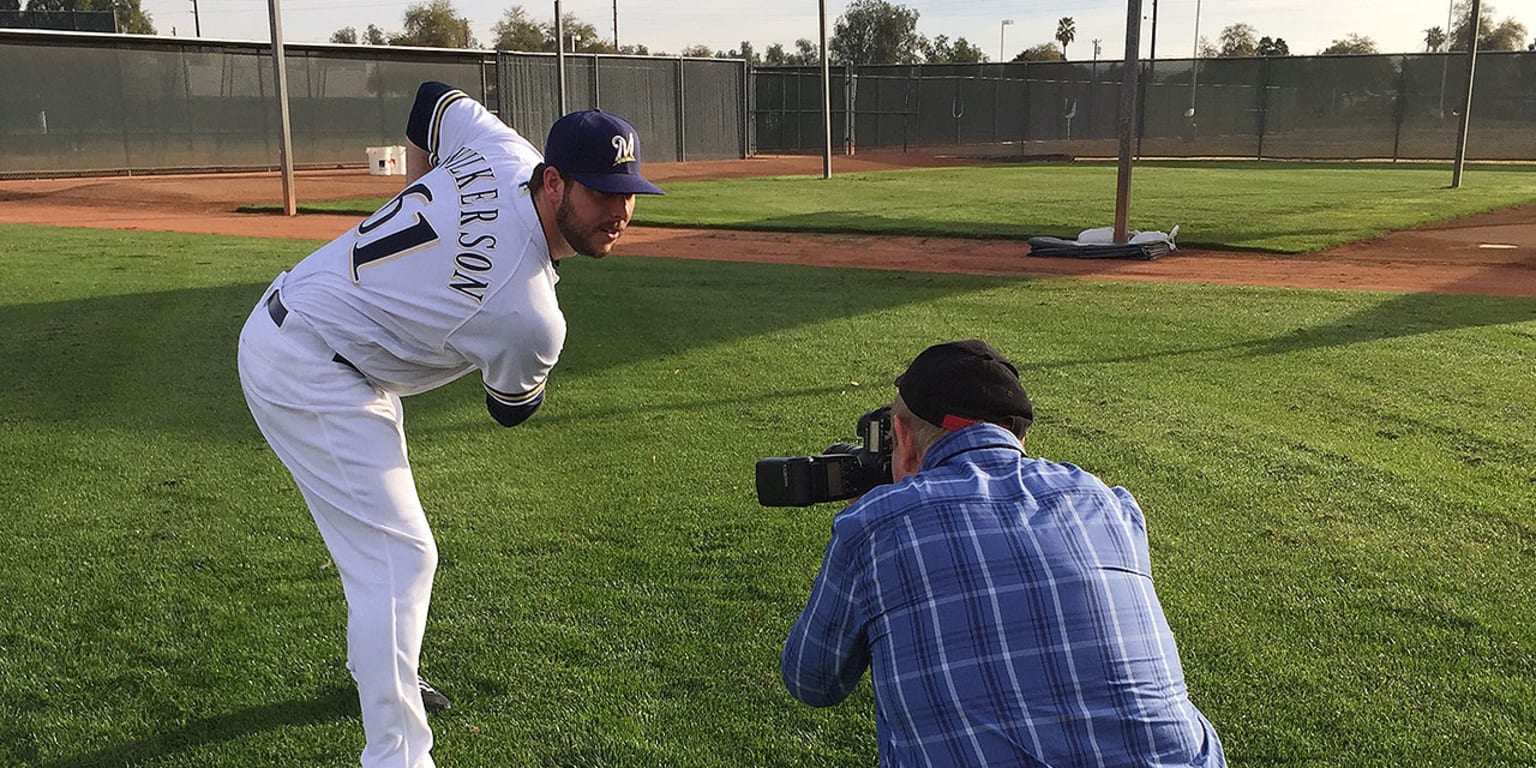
[(842, 472)]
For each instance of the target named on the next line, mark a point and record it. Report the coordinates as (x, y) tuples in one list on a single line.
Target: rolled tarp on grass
[(1098, 243)]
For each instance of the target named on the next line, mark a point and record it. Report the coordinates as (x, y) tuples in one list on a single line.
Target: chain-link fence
[(1329, 107), (685, 109), (110, 103), (79, 103)]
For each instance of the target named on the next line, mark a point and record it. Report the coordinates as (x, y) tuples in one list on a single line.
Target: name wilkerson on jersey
[(477, 187)]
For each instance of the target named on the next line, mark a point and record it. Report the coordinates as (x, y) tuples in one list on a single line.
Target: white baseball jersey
[(451, 275)]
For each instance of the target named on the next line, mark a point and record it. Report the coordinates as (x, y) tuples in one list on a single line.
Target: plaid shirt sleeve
[(827, 650)]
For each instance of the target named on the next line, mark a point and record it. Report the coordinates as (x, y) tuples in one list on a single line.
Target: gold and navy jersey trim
[(434, 136), (424, 127), (514, 400)]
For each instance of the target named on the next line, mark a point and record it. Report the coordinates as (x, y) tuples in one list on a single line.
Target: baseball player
[(456, 273)]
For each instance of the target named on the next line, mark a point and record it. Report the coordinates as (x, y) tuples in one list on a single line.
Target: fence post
[(997, 105), (850, 92), (1028, 134), (917, 108), (682, 112), (746, 108), (597, 86), (1402, 99), (1263, 105), (1147, 73)]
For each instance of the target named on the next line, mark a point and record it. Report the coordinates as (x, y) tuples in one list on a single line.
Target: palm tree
[(1434, 37), (1066, 32)]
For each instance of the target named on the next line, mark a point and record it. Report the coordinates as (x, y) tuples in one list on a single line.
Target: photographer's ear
[(905, 459)]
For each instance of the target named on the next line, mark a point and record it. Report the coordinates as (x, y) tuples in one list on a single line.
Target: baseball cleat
[(432, 699)]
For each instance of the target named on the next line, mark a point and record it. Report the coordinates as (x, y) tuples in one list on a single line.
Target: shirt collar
[(974, 437), (529, 213)]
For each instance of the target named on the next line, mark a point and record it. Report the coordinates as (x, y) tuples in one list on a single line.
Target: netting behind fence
[(107, 103), (1329, 107), (684, 109)]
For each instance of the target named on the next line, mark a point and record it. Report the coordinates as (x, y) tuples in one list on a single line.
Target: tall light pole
[(1002, 45), (1474, 19), (197, 23), (284, 131), (615, 26), (826, 96), (1126, 117), (1450, 10), (1194, 66), (559, 56)]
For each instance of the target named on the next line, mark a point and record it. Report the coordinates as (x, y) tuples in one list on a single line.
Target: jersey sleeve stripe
[(424, 128), (506, 398)]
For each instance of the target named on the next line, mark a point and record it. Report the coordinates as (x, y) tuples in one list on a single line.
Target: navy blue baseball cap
[(599, 150)]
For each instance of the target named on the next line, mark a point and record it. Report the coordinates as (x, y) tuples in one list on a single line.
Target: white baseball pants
[(344, 441)]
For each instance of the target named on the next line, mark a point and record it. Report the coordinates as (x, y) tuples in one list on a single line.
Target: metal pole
[(1194, 67), (826, 99), (1002, 45), (746, 109), (284, 135), (682, 113), (615, 26), (560, 57), (1141, 98), (197, 22), (1127, 119), (1445, 60), (1474, 21)]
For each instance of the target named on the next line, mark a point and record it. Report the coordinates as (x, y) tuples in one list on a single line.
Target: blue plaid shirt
[(1005, 608)]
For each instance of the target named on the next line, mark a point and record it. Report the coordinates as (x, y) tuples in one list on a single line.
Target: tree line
[(1242, 40), (867, 32), (131, 19), (882, 32)]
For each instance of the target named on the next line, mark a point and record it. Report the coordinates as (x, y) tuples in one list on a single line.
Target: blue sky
[(1308, 26)]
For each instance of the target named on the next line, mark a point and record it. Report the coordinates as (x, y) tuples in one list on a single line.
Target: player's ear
[(553, 181)]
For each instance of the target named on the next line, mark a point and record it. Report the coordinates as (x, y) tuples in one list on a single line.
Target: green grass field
[(1282, 208), (1339, 489)]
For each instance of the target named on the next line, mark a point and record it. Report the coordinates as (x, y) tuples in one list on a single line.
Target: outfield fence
[(77, 103), (83, 103), (1326, 107)]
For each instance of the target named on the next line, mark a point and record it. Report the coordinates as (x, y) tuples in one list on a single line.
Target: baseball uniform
[(452, 275)]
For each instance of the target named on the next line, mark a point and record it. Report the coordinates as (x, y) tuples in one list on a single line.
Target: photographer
[(1004, 604)]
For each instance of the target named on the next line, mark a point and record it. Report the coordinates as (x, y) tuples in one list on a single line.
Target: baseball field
[(1340, 484)]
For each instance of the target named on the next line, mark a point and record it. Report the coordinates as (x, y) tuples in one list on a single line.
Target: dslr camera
[(843, 472)]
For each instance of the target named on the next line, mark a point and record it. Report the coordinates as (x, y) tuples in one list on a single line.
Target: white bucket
[(386, 161)]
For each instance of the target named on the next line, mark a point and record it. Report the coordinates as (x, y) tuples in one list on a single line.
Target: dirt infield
[(1488, 254)]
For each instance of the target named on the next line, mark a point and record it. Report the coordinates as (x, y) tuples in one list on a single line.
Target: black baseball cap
[(599, 150), (960, 383)]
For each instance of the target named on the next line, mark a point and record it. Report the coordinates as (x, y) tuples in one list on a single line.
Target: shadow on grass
[(1399, 317), (330, 706), (1406, 315), (166, 360), (861, 223)]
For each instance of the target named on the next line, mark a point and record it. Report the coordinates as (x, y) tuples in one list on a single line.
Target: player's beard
[(586, 239)]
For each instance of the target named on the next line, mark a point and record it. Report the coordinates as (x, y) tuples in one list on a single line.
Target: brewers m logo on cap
[(624, 149), (580, 144)]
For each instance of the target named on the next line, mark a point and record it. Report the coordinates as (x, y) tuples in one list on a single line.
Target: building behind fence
[(83, 103), (1328, 107)]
